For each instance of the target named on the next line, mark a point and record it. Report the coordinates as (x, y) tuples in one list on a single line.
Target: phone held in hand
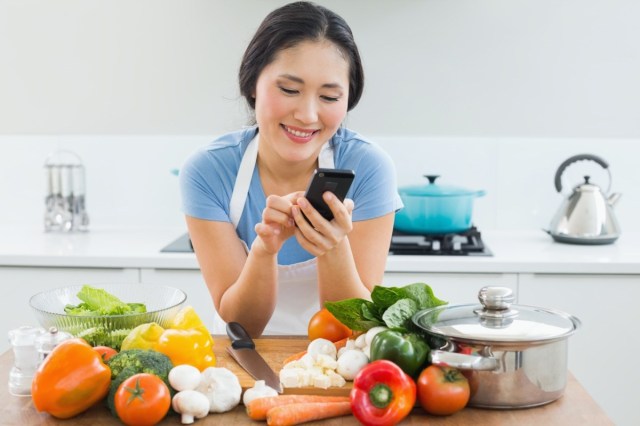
[(337, 181)]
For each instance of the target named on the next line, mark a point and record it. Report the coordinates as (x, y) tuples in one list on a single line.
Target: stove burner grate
[(465, 243)]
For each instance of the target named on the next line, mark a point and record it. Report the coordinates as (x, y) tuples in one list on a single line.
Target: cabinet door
[(454, 288), (20, 283), (189, 281), (603, 349)]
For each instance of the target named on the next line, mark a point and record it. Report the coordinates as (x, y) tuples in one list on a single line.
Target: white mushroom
[(190, 404), (184, 377)]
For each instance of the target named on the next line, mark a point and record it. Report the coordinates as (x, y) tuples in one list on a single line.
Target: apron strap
[(243, 181)]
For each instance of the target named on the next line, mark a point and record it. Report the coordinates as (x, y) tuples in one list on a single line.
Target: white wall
[(490, 94), (523, 68)]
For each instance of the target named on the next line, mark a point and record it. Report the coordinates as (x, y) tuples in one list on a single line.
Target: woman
[(266, 267)]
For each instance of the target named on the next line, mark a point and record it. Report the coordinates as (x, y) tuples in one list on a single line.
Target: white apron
[(298, 297)]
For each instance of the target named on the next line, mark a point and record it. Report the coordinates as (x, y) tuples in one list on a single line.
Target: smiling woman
[(265, 265)]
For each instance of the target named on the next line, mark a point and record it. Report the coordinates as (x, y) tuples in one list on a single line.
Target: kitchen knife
[(243, 350)]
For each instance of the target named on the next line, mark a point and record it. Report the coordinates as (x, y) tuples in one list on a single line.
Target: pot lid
[(496, 320), (433, 189)]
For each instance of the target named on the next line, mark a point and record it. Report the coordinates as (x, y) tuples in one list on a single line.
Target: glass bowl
[(162, 303)]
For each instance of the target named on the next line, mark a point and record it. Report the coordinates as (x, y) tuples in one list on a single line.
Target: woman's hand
[(318, 235), (277, 222)]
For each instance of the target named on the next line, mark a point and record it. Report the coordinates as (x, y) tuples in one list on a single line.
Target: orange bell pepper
[(71, 379)]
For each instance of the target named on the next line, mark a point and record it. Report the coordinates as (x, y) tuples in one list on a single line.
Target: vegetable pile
[(397, 373), (139, 385)]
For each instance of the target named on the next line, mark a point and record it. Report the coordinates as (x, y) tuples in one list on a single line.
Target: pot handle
[(574, 159), (463, 361)]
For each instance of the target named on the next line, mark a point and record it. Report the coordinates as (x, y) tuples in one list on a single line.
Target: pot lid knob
[(496, 298), (432, 178)]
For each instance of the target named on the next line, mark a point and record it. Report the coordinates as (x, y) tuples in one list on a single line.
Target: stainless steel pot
[(514, 356)]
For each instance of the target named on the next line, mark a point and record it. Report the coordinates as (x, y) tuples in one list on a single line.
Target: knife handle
[(240, 339)]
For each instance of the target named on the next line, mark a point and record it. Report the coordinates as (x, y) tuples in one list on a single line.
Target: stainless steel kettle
[(586, 216)]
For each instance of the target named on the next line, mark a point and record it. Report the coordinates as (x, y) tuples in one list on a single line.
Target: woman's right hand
[(277, 224)]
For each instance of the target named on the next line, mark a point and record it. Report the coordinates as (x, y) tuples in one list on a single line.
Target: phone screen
[(337, 181)]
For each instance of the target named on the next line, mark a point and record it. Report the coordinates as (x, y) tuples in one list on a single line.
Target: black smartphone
[(337, 181)]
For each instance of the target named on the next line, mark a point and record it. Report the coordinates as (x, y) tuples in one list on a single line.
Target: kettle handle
[(574, 159)]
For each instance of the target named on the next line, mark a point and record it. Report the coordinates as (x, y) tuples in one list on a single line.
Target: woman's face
[(301, 99)]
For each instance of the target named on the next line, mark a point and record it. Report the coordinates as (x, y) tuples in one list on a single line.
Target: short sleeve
[(204, 186)]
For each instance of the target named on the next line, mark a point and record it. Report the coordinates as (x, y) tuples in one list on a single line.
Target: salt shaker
[(45, 342), (22, 340)]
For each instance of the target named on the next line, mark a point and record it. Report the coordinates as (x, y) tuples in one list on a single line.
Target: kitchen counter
[(513, 252), (575, 407)]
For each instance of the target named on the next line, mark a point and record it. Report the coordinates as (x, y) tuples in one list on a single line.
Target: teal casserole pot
[(435, 209)]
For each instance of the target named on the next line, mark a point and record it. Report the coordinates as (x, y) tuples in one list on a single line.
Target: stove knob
[(435, 245)]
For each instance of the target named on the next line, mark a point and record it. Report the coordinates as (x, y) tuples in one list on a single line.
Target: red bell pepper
[(382, 394)]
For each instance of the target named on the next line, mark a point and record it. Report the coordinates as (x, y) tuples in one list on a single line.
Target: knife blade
[(243, 350)]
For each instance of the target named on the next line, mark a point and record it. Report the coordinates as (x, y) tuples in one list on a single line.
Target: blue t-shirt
[(208, 176)]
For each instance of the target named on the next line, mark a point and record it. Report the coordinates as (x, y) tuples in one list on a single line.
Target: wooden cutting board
[(274, 350)]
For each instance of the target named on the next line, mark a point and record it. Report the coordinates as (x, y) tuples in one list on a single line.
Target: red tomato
[(442, 390), (142, 400), (324, 325), (105, 352)]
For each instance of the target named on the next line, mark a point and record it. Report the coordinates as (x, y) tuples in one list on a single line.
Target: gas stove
[(465, 243)]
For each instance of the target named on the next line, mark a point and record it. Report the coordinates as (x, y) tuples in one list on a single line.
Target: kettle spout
[(613, 199)]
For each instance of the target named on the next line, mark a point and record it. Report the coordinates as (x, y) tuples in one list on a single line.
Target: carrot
[(294, 414), (258, 408)]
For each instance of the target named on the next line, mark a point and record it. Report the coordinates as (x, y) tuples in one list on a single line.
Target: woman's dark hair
[(289, 25)]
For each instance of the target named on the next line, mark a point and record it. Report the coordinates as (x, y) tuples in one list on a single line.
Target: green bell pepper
[(407, 350)]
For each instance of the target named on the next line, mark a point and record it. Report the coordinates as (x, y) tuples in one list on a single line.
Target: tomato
[(142, 400), (324, 325), (105, 352), (442, 390)]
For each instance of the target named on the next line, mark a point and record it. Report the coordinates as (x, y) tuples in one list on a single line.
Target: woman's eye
[(288, 91), (330, 99)]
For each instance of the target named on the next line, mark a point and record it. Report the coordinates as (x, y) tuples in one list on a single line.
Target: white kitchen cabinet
[(20, 283), (602, 351), (191, 282), (455, 288)]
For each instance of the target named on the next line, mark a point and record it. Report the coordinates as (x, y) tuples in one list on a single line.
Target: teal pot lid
[(433, 189)]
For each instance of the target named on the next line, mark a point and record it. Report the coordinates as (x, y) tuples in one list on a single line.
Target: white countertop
[(513, 252)]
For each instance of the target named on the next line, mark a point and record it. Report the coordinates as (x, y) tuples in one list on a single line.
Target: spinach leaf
[(422, 294), (399, 314), (384, 297), (390, 306), (350, 312)]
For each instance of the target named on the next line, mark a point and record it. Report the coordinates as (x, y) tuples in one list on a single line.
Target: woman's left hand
[(318, 235)]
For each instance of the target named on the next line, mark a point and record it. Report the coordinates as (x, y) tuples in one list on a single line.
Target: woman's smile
[(297, 134)]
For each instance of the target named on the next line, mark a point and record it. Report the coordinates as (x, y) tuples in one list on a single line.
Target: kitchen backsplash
[(129, 179)]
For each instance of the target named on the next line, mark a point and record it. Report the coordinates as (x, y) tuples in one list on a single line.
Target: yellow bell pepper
[(185, 341)]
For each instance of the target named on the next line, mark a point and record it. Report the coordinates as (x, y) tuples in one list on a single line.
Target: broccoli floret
[(133, 361), (142, 361)]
